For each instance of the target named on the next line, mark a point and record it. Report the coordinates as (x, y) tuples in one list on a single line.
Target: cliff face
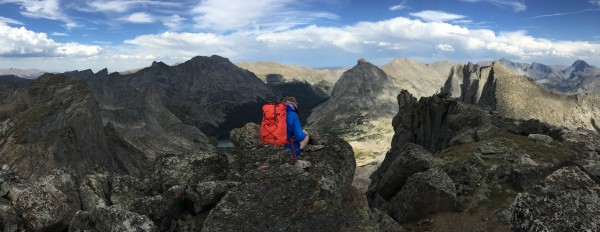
[(171, 109), (55, 123), (496, 88)]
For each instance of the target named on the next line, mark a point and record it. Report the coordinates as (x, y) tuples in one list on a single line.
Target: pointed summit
[(580, 66)]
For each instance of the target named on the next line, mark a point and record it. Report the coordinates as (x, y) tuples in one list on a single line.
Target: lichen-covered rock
[(424, 193), (276, 195), (467, 174), (102, 189), (208, 193), (569, 201), (385, 223), (188, 169), (9, 220), (47, 205), (396, 169), (247, 137), (163, 209), (540, 138), (112, 218)]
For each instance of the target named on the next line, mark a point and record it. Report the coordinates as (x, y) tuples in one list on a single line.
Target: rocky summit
[(484, 172)]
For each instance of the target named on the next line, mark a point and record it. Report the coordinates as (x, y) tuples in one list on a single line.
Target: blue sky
[(62, 35)]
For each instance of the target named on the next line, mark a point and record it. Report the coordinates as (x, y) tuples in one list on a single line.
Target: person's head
[(291, 100)]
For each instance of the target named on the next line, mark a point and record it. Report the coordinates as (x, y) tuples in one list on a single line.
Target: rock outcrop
[(55, 123), (314, 194), (496, 88), (486, 171), (568, 201)]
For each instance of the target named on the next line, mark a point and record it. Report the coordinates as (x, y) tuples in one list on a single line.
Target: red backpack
[(273, 128)]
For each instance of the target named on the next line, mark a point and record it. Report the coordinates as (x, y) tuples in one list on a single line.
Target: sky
[(65, 35)]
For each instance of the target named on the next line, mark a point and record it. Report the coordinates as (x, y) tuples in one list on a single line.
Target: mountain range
[(23, 73), (135, 151), (580, 77)]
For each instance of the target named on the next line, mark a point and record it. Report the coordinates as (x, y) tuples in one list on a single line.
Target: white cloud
[(123, 6), (224, 15), (445, 47), (186, 44), (10, 21), (174, 22), (436, 16), (564, 13), (59, 34), (47, 9), (139, 17), (595, 2), (400, 6), (516, 5), (20, 42)]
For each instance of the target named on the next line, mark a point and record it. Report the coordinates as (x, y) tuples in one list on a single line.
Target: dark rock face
[(14, 80), (55, 123), (432, 122), (275, 195), (396, 169), (111, 218), (209, 93), (199, 167), (424, 193), (569, 201)]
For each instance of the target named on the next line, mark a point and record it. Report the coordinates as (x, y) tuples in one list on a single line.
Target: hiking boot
[(312, 147)]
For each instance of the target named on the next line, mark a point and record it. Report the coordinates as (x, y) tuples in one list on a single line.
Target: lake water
[(224, 143)]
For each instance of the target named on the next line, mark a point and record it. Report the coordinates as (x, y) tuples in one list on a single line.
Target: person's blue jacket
[(294, 129)]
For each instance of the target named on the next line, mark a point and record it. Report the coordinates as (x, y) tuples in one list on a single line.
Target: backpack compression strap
[(293, 150)]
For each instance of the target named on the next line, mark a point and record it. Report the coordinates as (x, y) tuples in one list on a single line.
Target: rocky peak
[(539, 67), (580, 66)]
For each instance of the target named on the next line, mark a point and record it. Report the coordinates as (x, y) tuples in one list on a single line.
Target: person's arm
[(297, 131)]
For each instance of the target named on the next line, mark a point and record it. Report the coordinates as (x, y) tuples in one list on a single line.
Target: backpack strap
[(293, 150)]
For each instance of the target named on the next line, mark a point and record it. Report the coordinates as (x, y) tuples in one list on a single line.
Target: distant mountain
[(55, 123), (322, 78), (418, 78), (363, 102), (580, 77), (360, 109), (496, 88), (14, 80), (168, 109), (23, 73)]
